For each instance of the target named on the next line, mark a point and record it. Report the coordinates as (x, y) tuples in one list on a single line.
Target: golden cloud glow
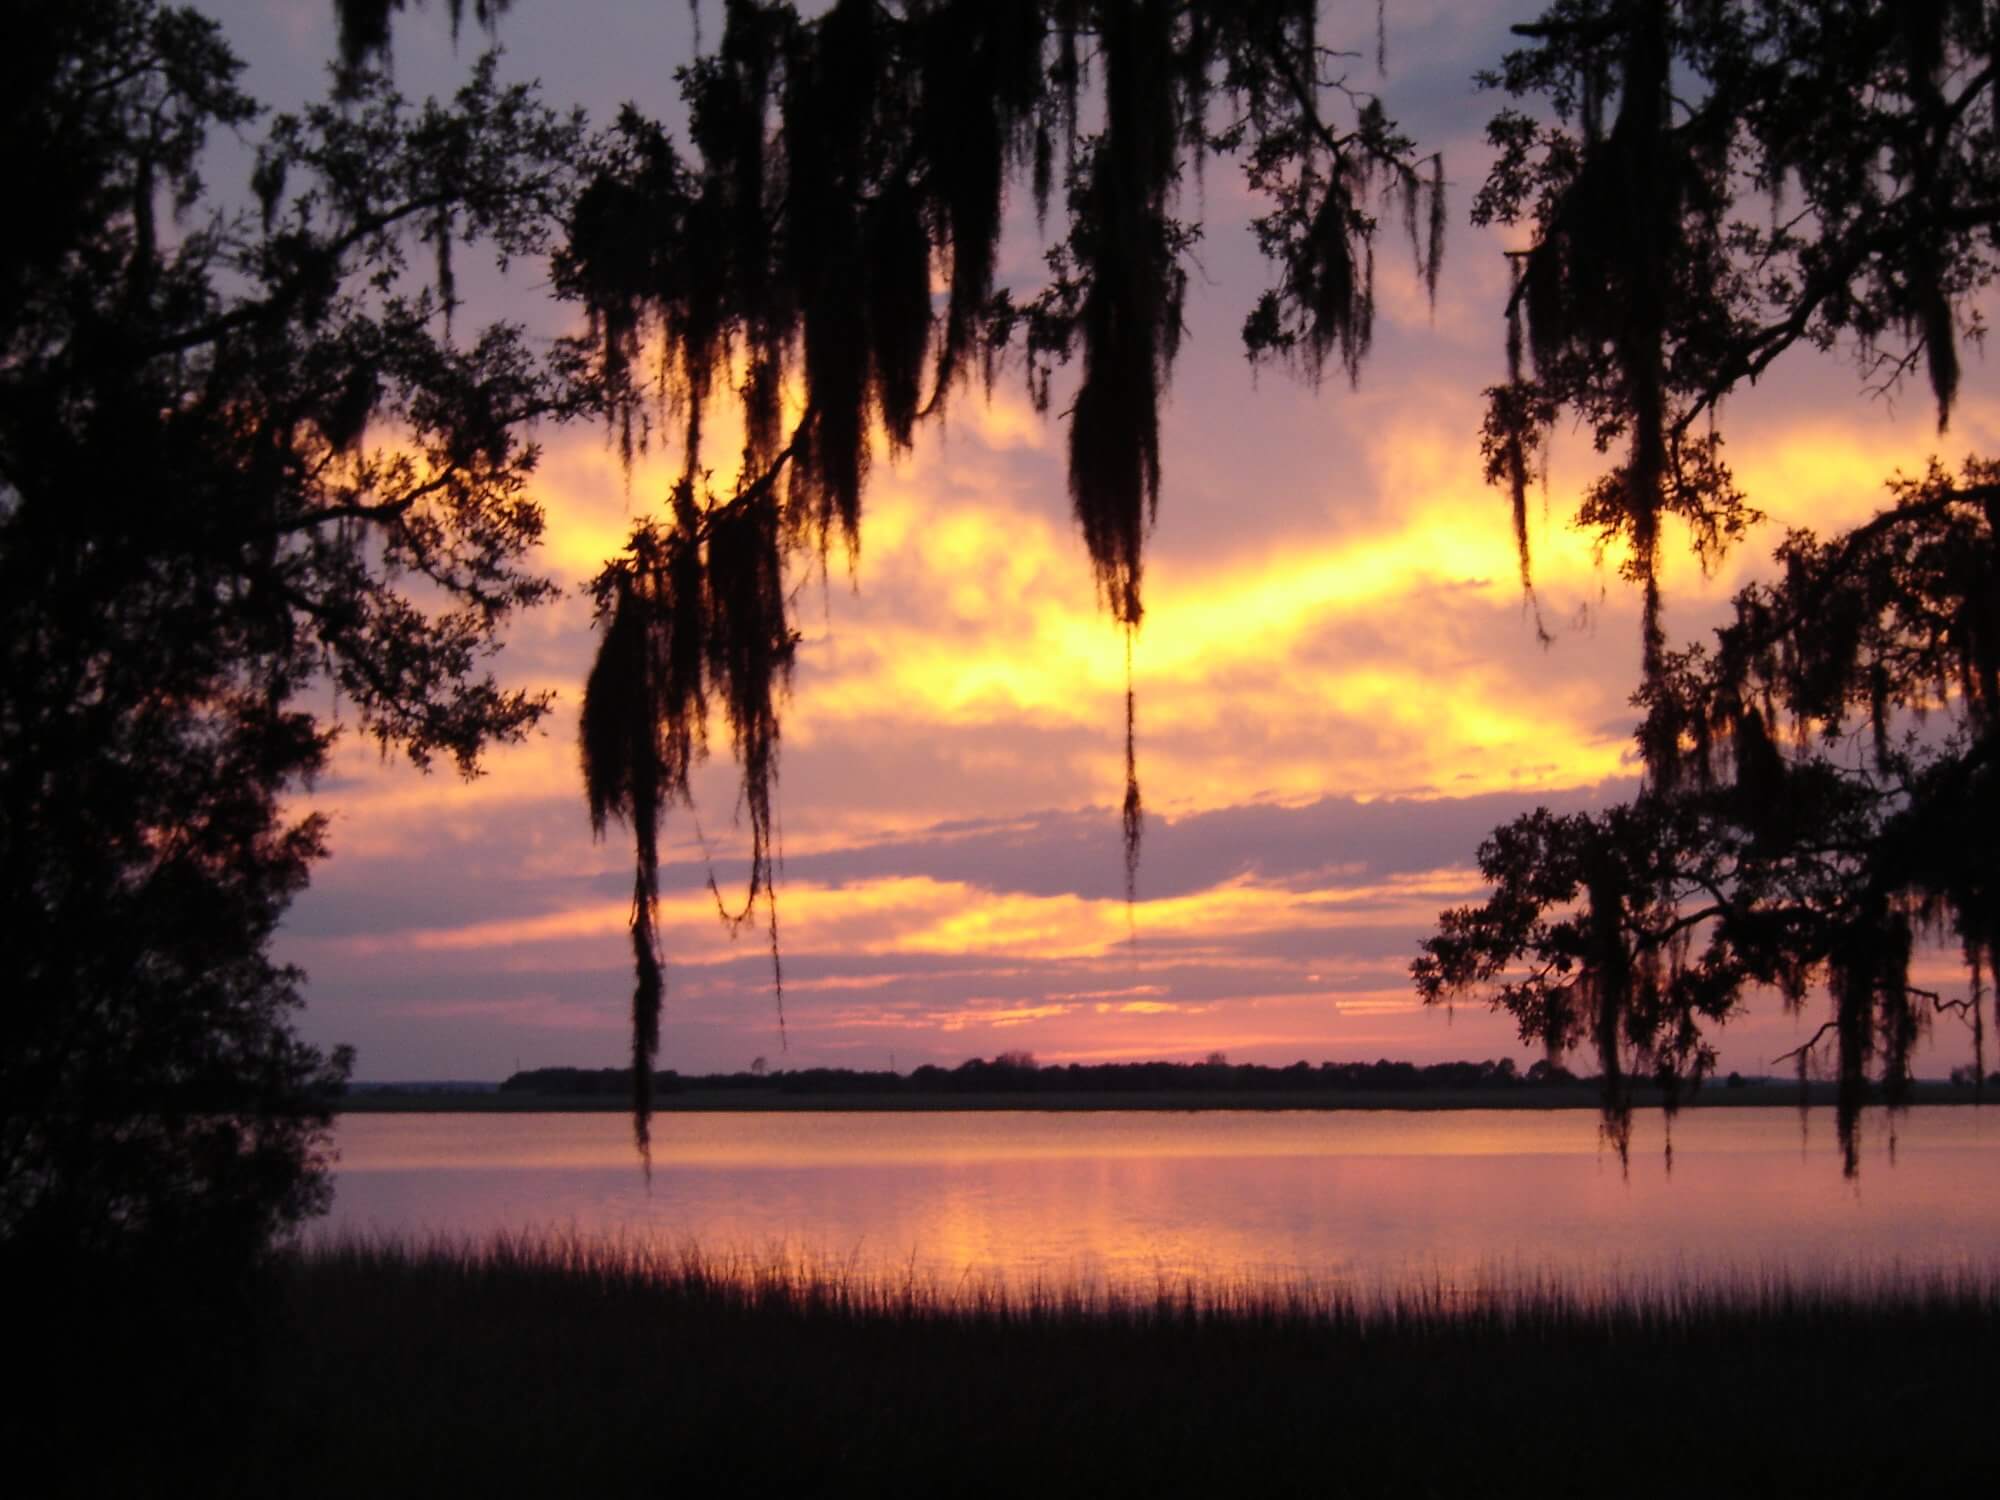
[(1017, 638), (1368, 637), (913, 916)]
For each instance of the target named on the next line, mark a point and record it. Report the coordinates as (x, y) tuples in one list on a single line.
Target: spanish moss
[(1646, 302), (1644, 299), (1781, 860), (1131, 306), (364, 25), (1134, 811), (835, 170)]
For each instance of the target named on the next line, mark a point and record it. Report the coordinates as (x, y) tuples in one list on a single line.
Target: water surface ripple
[(1367, 1199)]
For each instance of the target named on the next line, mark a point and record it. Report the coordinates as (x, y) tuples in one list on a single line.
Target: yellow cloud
[(907, 916)]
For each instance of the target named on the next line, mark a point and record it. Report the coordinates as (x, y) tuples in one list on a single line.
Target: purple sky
[(1340, 689)]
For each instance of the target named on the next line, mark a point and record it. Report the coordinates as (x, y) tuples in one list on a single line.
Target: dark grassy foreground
[(562, 1370)]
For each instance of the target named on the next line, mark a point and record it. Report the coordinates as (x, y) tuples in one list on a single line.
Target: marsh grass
[(788, 1283), (564, 1365)]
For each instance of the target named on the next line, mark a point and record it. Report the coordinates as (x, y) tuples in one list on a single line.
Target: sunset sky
[(1340, 685)]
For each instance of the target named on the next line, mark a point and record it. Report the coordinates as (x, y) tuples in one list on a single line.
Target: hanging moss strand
[(829, 234)]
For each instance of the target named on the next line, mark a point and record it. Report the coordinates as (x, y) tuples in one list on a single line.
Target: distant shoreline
[(1762, 1095)]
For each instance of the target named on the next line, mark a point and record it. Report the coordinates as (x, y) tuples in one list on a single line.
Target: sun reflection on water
[(1364, 1200)]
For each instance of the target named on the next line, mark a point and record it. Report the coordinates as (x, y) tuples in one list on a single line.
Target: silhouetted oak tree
[(1720, 184), (244, 471)]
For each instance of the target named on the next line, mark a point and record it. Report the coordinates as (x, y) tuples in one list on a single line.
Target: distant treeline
[(1014, 1073)]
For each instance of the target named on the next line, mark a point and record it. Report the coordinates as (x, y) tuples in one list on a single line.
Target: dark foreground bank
[(547, 1370)]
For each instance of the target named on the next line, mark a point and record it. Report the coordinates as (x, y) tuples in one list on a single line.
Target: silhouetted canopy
[(1708, 187), (822, 253), (1722, 184), (1719, 185), (243, 461)]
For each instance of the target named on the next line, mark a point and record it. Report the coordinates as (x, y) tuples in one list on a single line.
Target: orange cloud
[(1333, 608)]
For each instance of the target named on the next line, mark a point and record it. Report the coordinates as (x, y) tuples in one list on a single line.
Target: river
[(1370, 1200)]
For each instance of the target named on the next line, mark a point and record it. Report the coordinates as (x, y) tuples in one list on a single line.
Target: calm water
[(1122, 1199)]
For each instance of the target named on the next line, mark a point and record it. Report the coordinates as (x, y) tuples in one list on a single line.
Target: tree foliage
[(365, 26), (837, 170), (242, 465), (1837, 747), (1721, 184)]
